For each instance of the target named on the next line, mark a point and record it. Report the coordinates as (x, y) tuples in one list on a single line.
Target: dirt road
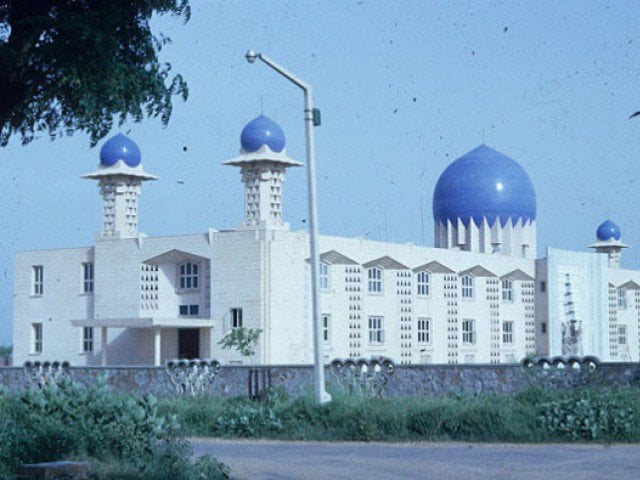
[(269, 460)]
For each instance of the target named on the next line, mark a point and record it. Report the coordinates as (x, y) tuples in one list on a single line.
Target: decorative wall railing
[(363, 376), (192, 377)]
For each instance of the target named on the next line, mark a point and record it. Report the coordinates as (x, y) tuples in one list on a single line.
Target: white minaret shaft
[(263, 193), (120, 206)]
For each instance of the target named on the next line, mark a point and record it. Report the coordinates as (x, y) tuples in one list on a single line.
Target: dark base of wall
[(406, 381)]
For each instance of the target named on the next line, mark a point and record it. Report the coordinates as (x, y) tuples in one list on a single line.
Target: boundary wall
[(405, 381)]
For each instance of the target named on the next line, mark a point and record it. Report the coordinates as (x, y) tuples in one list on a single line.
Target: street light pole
[(321, 395)]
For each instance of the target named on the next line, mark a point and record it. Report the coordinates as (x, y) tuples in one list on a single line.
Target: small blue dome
[(120, 147), (608, 230), (484, 183), (262, 131)]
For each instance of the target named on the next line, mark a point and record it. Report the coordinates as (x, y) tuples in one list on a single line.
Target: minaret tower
[(263, 162), (119, 178), (608, 235)]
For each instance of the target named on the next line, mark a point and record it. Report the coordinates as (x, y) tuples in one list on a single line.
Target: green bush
[(587, 415), (243, 418), (70, 419), (122, 435), (533, 415), (172, 462)]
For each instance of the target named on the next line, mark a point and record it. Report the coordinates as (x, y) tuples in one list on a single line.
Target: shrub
[(172, 462), (533, 415), (122, 435), (590, 416), (244, 418), (70, 419)]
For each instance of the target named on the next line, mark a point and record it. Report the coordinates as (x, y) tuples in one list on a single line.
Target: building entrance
[(188, 343)]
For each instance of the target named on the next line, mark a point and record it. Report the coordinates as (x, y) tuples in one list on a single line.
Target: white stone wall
[(62, 299), (627, 314), (266, 274), (336, 302), (586, 296)]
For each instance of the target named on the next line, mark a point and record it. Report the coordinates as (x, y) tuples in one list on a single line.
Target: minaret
[(263, 162), (608, 235), (119, 178)]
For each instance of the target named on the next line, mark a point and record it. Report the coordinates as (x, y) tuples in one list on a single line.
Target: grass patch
[(533, 415)]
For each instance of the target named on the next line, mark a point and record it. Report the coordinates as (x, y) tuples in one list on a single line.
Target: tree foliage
[(243, 340), (78, 65)]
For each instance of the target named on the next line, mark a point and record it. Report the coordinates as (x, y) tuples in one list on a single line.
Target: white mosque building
[(478, 296)]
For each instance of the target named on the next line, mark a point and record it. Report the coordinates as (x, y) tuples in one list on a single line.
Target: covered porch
[(154, 324)]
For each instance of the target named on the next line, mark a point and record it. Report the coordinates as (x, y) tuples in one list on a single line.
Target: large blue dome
[(262, 131), (484, 183), (608, 230), (120, 147)]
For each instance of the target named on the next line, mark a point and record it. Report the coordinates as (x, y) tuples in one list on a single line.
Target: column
[(211, 343), (103, 339), (156, 347)]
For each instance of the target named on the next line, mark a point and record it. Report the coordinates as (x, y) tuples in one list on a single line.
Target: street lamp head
[(251, 56)]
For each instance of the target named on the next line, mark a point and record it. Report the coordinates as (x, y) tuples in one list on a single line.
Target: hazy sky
[(404, 89)]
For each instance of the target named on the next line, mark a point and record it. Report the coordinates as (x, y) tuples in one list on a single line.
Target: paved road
[(269, 460)]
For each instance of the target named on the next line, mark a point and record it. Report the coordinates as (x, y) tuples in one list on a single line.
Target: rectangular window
[(36, 338), (467, 286), (188, 276), (87, 339), (87, 277), (507, 331), (424, 330), (326, 325), (621, 294), (507, 290), (375, 280), (543, 327), (189, 310), (236, 318), (324, 276), (376, 330), (543, 286), (423, 284), (469, 331), (38, 279), (622, 334)]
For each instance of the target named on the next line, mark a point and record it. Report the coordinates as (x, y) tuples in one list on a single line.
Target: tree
[(77, 65), (243, 340)]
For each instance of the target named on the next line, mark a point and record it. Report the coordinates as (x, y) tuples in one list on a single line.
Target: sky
[(404, 87)]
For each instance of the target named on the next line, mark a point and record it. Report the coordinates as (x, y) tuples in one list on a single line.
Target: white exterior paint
[(516, 304), (265, 273)]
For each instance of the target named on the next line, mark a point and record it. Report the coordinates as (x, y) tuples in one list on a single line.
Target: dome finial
[(608, 230), (120, 147), (260, 132)]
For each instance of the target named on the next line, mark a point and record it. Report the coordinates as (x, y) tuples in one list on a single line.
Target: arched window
[(422, 281), (467, 286), (375, 280), (188, 276)]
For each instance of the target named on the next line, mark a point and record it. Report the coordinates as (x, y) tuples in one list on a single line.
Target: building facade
[(478, 296)]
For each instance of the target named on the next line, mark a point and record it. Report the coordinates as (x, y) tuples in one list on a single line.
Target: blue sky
[(404, 89)]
